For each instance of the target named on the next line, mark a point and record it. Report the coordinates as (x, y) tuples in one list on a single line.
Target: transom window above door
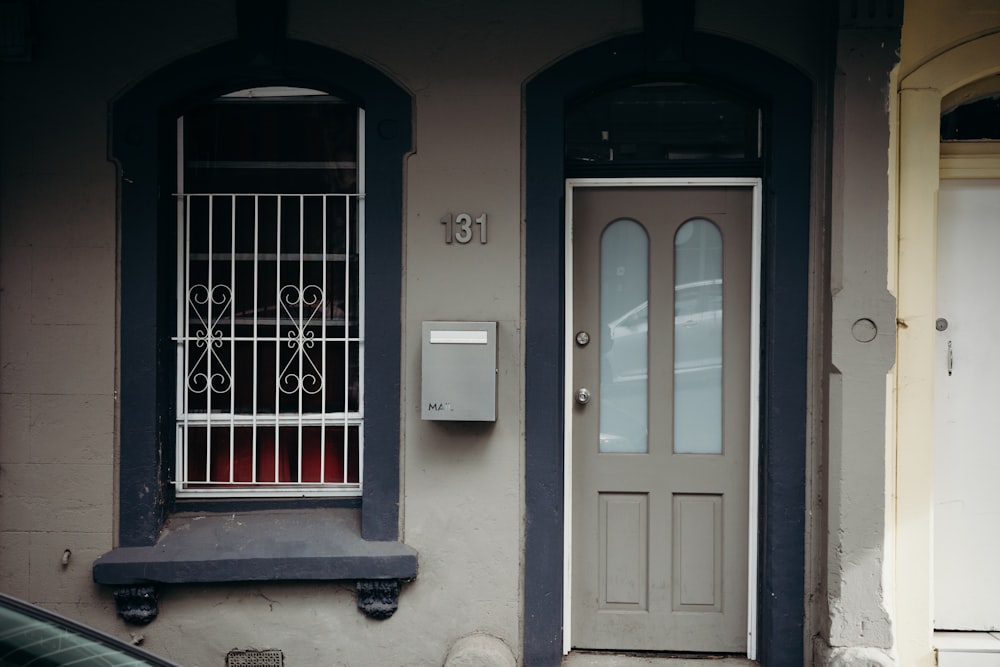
[(270, 335), (977, 119), (660, 123)]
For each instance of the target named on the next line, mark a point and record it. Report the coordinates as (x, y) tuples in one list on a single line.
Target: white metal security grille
[(270, 344)]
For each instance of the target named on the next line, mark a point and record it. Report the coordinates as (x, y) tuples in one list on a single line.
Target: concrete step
[(607, 659), (967, 649)]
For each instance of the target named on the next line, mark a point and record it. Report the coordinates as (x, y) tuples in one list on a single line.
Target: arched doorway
[(785, 103), (924, 94)]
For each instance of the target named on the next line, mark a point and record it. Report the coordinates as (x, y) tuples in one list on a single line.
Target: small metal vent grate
[(268, 658)]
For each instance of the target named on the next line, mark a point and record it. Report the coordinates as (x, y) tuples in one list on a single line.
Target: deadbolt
[(582, 338), (583, 396), (941, 324)]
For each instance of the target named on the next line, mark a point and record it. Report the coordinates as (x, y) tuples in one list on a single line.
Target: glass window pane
[(662, 122), (624, 323), (698, 338), (289, 144), (270, 291), (973, 121)]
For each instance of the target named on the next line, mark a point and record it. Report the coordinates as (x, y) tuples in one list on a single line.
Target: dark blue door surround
[(786, 97), (143, 139)]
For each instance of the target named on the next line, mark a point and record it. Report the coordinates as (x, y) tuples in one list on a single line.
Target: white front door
[(967, 436), (661, 446)]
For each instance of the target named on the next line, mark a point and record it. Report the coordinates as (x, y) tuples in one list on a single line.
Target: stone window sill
[(322, 544)]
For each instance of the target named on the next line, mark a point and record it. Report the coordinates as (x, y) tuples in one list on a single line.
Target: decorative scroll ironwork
[(301, 306), (209, 305), (267, 295)]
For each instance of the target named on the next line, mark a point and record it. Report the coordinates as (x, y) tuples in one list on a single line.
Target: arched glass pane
[(271, 140), (973, 121), (624, 323), (698, 338)]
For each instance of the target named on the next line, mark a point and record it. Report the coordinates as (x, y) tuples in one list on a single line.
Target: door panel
[(624, 544), (697, 552), (966, 493), (661, 283)]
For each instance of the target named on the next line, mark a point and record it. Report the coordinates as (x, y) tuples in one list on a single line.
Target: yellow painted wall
[(933, 27), (945, 45)]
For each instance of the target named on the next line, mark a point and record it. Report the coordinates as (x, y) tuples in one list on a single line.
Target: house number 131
[(460, 229)]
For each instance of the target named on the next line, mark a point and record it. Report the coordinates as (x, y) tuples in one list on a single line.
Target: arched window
[(624, 344), (270, 328), (260, 237), (975, 120), (698, 338)]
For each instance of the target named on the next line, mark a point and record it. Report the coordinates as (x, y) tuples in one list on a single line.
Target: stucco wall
[(58, 270), (465, 64)]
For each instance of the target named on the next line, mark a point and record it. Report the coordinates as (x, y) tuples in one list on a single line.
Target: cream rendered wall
[(857, 503), (58, 279), (465, 64), (945, 45), (933, 27), (798, 32)]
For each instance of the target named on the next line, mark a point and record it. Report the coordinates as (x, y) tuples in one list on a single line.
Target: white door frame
[(753, 435)]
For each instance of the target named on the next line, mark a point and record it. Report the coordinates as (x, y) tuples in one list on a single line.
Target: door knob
[(583, 396)]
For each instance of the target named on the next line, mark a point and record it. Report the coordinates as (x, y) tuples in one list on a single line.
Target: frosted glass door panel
[(698, 338), (624, 342)]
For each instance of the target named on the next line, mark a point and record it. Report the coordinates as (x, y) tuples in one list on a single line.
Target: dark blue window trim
[(142, 143), (786, 96)]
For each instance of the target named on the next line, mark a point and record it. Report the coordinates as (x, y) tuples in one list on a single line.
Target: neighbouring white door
[(967, 402), (660, 456)]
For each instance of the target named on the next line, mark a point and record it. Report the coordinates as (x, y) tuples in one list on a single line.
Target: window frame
[(263, 424), (143, 144)]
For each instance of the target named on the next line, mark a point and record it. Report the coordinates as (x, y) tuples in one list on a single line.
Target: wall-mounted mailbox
[(459, 371)]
